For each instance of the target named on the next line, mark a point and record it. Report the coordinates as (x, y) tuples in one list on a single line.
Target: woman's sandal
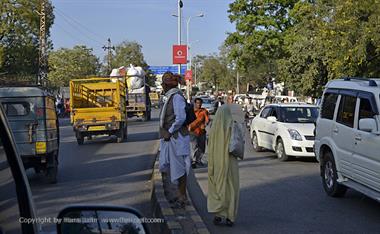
[(179, 204), (229, 223), (217, 220)]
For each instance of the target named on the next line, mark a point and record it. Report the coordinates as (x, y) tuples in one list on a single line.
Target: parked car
[(348, 137), (18, 213), (33, 119), (287, 129), (239, 98), (208, 104)]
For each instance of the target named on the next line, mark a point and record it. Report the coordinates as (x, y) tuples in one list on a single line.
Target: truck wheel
[(80, 139), (120, 134), (330, 176), (126, 132), (145, 116)]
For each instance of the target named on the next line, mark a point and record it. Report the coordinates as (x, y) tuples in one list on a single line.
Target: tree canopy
[(66, 64), (214, 70), (130, 52), (19, 36), (305, 42)]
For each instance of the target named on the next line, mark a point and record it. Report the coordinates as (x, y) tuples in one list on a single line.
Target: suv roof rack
[(371, 82)]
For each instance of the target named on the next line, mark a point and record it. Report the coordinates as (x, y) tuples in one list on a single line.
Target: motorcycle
[(249, 115)]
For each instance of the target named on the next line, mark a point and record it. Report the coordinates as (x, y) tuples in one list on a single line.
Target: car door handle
[(358, 138)]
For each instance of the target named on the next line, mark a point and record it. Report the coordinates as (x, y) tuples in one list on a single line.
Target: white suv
[(288, 129), (347, 143)]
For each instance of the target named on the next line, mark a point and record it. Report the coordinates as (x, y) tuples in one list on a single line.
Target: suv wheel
[(280, 151), (330, 176)]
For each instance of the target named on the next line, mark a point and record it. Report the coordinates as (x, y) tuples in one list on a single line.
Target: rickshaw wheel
[(37, 170), (51, 172)]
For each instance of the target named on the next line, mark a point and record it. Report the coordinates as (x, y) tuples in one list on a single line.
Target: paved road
[(100, 171), (287, 197)]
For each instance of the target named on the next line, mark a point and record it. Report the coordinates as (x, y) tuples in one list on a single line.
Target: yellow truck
[(98, 107)]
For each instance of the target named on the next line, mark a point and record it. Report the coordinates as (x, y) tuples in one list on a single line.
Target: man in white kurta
[(175, 142)]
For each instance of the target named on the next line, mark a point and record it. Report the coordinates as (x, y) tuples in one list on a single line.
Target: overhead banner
[(179, 54)]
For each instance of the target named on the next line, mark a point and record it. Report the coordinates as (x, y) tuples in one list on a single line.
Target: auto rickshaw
[(33, 119)]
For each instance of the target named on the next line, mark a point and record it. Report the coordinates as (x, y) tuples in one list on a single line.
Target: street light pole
[(180, 5), (187, 47), (188, 37)]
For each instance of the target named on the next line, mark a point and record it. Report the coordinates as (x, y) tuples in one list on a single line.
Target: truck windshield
[(299, 114)]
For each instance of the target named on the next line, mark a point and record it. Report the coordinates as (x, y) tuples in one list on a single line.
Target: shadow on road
[(145, 136), (294, 204)]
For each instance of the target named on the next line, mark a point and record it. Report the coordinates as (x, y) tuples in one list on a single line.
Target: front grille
[(309, 149), (310, 138)]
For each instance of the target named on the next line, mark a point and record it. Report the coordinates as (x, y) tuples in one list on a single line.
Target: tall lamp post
[(188, 36), (179, 22), (188, 48)]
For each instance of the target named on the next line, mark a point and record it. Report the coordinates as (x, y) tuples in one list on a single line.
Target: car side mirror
[(272, 119), (367, 125), (100, 219)]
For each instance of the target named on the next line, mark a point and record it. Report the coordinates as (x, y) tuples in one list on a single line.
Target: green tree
[(215, 72), (258, 41), (330, 39), (130, 52), (19, 36), (66, 64)]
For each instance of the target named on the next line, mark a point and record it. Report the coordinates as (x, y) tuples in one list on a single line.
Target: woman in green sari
[(223, 170)]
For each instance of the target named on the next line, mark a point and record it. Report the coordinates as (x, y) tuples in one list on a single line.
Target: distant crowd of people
[(62, 106)]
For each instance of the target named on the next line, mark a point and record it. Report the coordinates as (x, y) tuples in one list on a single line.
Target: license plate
[(96, 128)]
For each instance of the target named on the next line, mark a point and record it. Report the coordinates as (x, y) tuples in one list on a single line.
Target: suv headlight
[(295, 135)]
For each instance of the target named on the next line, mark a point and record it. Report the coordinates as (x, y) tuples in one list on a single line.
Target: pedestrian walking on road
[(175, 139), (218, 103), (198, 133), (223, 169)]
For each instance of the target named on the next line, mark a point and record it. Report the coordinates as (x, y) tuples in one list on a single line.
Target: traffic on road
[(271, 124)]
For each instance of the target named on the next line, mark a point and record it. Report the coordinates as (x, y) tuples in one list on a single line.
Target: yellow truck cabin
[(98, 107)]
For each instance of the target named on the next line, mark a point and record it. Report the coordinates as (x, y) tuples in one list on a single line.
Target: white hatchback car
[(347, 142), (288, 129)]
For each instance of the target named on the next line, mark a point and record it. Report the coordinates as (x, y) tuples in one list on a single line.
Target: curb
[(162, 209), (160, 206)]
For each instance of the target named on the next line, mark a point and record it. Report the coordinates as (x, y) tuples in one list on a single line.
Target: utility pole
[(109, 47), (43, 57)]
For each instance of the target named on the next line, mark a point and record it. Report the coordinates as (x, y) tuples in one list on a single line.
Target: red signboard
[(179, 54), (189, 75)]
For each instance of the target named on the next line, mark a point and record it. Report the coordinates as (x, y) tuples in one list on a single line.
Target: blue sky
[(149, 22)]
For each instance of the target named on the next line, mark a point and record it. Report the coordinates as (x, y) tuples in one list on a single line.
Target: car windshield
[(299, 114), (207, 101)]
